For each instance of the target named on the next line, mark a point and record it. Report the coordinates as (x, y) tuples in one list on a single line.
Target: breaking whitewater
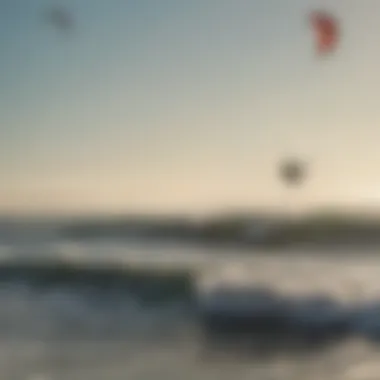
[(138, 310)]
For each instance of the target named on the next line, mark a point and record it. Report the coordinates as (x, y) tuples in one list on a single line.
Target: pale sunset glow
[(178, 105)]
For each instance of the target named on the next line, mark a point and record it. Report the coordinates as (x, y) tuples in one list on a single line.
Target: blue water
[(65, 333)]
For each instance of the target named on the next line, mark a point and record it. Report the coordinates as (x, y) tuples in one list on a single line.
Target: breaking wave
[(88, 318)]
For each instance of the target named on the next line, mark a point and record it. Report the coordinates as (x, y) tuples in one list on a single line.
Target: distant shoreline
[(236, 231)]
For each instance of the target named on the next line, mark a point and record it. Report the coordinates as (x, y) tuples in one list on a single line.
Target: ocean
[(64, 332)]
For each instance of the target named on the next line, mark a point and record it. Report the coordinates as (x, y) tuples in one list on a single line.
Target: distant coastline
[(264, 231)]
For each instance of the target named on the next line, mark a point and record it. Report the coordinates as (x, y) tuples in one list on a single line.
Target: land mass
[(265, 231)]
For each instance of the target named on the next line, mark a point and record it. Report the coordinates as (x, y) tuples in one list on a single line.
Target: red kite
[(326, 30)]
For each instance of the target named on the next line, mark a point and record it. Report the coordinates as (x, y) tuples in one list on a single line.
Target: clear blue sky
[(178, 105)]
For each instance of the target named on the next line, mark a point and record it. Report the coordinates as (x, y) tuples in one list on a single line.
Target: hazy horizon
[(185, 107)]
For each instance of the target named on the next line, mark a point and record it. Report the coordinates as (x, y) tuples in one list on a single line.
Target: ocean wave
[(102, 275), (84, 315), (86, 301)]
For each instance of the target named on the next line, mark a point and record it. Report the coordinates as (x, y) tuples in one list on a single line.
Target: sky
[(185, 106)]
